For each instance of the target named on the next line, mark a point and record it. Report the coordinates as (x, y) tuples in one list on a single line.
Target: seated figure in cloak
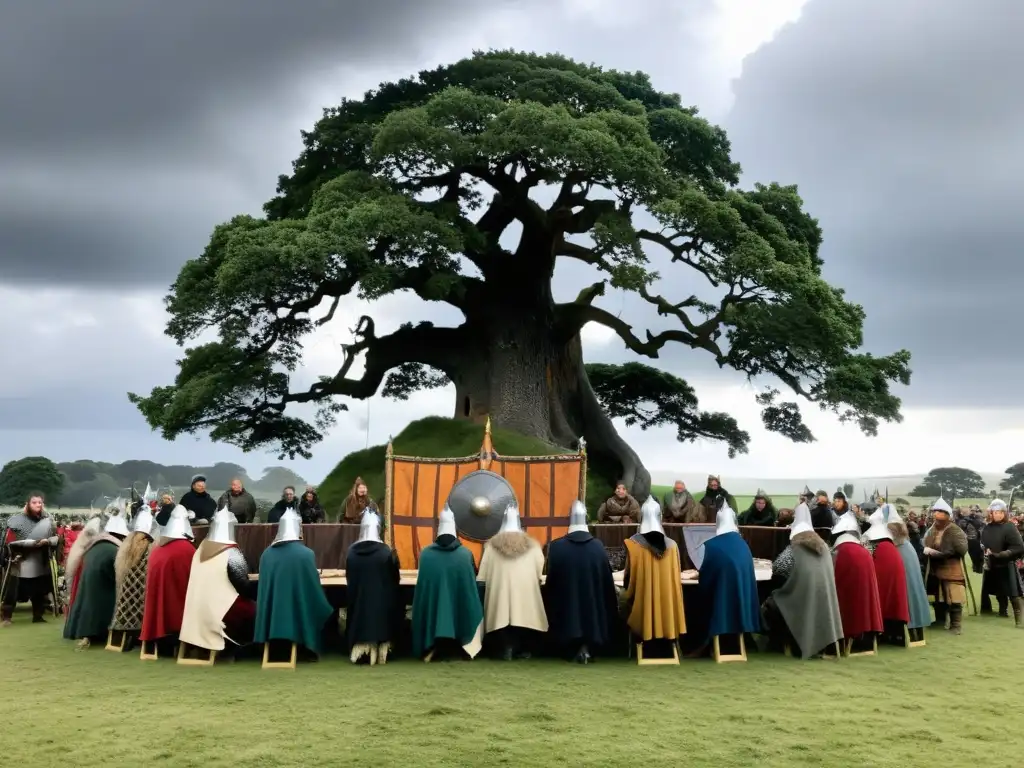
[(511, 567), (95, 593), (727, 587), (760, 512), (167, 577), (357, 502), (856, 584), (374, 608), (892, 578), (218, 609), (945, 545), (653, 581), (447, 615), (130, 568), (290, 603), (620, 507), (803, 610), (581, 599), (917, 596)]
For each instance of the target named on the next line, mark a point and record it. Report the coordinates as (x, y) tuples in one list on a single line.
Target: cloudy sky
[(131, 127)]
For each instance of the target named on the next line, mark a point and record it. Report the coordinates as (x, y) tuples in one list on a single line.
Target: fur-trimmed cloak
[(511, 567), (808, 601)]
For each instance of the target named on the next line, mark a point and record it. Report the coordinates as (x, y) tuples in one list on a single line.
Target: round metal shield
[(479, 501)]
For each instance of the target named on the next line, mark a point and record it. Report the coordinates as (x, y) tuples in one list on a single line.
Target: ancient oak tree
[(467, 185)]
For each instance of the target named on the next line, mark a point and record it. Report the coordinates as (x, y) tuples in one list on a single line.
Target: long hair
[(35, 495), (130, 554)]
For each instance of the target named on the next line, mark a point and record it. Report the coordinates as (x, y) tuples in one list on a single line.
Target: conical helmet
[(369, 526), (847, 523), (892, 515), (801, 520), (222, 527), (510, 522), (726, 520), (289, 528), (446, 523), (116, 525), (178, 525), (650, 517), (143, 521), (578, 517), (879, 527), (941, 505)]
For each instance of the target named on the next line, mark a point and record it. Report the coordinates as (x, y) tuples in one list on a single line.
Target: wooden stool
[(848, 647), (150, 651), (909, 636), (721, 658), (290, 664), (186, 657), (116, 640), (641, 661), (788, 651), (837, 652)]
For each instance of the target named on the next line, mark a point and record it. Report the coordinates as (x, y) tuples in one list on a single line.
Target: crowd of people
[(844, 579)]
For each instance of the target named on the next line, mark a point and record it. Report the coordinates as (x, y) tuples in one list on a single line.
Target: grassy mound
[(434, 437)]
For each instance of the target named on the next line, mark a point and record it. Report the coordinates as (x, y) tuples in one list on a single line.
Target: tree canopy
[(467, 185), (1014, 479), (951, 483), (32, 474)]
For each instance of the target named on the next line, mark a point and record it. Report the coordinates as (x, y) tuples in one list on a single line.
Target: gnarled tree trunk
[(519, 372)]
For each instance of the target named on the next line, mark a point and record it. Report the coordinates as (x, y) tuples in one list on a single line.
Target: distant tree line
[(79, 483)]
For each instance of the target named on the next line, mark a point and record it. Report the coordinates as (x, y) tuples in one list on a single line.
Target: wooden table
[(336, 578)]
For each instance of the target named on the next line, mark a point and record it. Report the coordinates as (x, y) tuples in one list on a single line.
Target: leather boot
[(940, 616), (956, 614), (1018, 612)]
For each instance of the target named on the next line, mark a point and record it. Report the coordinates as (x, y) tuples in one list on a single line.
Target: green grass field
[(948, 704)]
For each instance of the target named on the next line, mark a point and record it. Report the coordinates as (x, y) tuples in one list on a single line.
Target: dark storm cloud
[(900, 121), (167, 117)]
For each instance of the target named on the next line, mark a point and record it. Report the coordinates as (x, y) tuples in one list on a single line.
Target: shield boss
[(479, 501)]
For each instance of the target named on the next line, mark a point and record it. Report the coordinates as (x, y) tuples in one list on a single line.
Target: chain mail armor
[(31, 562), (238, 571)]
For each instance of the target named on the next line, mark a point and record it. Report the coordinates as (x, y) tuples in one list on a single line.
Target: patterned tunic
[(131, 599)]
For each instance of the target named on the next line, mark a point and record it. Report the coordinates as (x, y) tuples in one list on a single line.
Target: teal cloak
[(446, 604), (917, 597), (93, 609), (290, 603)]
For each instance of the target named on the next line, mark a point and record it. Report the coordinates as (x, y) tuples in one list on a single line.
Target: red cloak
[(166, 584), (857, 589), (892, 582)]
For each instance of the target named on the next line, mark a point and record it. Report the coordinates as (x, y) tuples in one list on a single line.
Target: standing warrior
[(944, 547), (1003, 546), (31, 537)]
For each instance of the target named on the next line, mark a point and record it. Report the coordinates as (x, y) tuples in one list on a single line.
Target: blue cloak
[(727, 589), (917, 597)]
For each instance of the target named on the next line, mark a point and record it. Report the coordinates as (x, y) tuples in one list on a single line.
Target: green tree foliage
[(951, 483), (419, 186), (1014, 479), (32, 474)]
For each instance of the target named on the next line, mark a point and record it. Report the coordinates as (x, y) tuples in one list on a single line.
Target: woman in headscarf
[(357, 502)]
